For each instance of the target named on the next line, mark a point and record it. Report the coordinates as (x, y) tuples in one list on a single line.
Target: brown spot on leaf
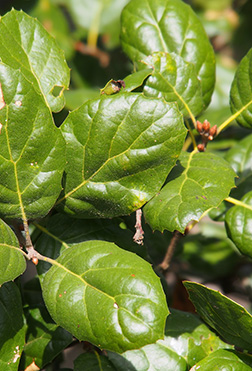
[(18, 103)]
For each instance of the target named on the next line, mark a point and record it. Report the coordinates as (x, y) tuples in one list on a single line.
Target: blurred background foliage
[(89, 33)]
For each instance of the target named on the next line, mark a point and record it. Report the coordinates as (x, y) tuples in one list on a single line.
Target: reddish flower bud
[(213, 131), (199, 127), (206, 126), (35, 261), (201, 147)]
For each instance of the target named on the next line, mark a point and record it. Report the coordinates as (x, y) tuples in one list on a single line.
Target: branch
[(95, 52), (170, 251)]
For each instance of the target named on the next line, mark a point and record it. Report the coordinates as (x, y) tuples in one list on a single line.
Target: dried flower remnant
[(139, 235), (112, 87)]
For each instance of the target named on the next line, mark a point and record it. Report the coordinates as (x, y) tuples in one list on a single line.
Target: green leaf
[(151, 357), (229, 319), (54, 20), (32, 150), (26, 46), (187, 340), (240, 93), (120, 149), (224, 360), (93, 362), (176, 81), (44, 339), (239, 158), (12, 328), (168, 26), (62, 232), (84, 294), (238, 223), (199, 182), (189, 337), (12, 260), (136, 79)]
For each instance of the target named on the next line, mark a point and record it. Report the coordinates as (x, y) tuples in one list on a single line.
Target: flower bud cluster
[(207, 133)]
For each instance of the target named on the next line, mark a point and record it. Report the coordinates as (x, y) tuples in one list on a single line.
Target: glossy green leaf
[(136, 79), (12, 262), (62, 232), (151, 357), (199, 182), (224, 360), (238, 223), (32, 150), (189, 337), (12, 327), (240, 158), (84, 294), (240, 93), (187, 340), (120, 149), (229, 319), (93, 362), (168, 26), (44, 339), (26, 46), (174, 80)]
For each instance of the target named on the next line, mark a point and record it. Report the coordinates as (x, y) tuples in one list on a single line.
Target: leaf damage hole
[(1, 125), (116, 306), (2, 102), (57, 91)]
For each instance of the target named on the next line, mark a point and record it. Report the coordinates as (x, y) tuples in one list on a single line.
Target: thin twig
[(28, 242), (95, 52), (170, 251)]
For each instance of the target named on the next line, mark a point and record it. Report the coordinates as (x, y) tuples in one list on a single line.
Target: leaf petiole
[(232, 118), (238, 203)]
